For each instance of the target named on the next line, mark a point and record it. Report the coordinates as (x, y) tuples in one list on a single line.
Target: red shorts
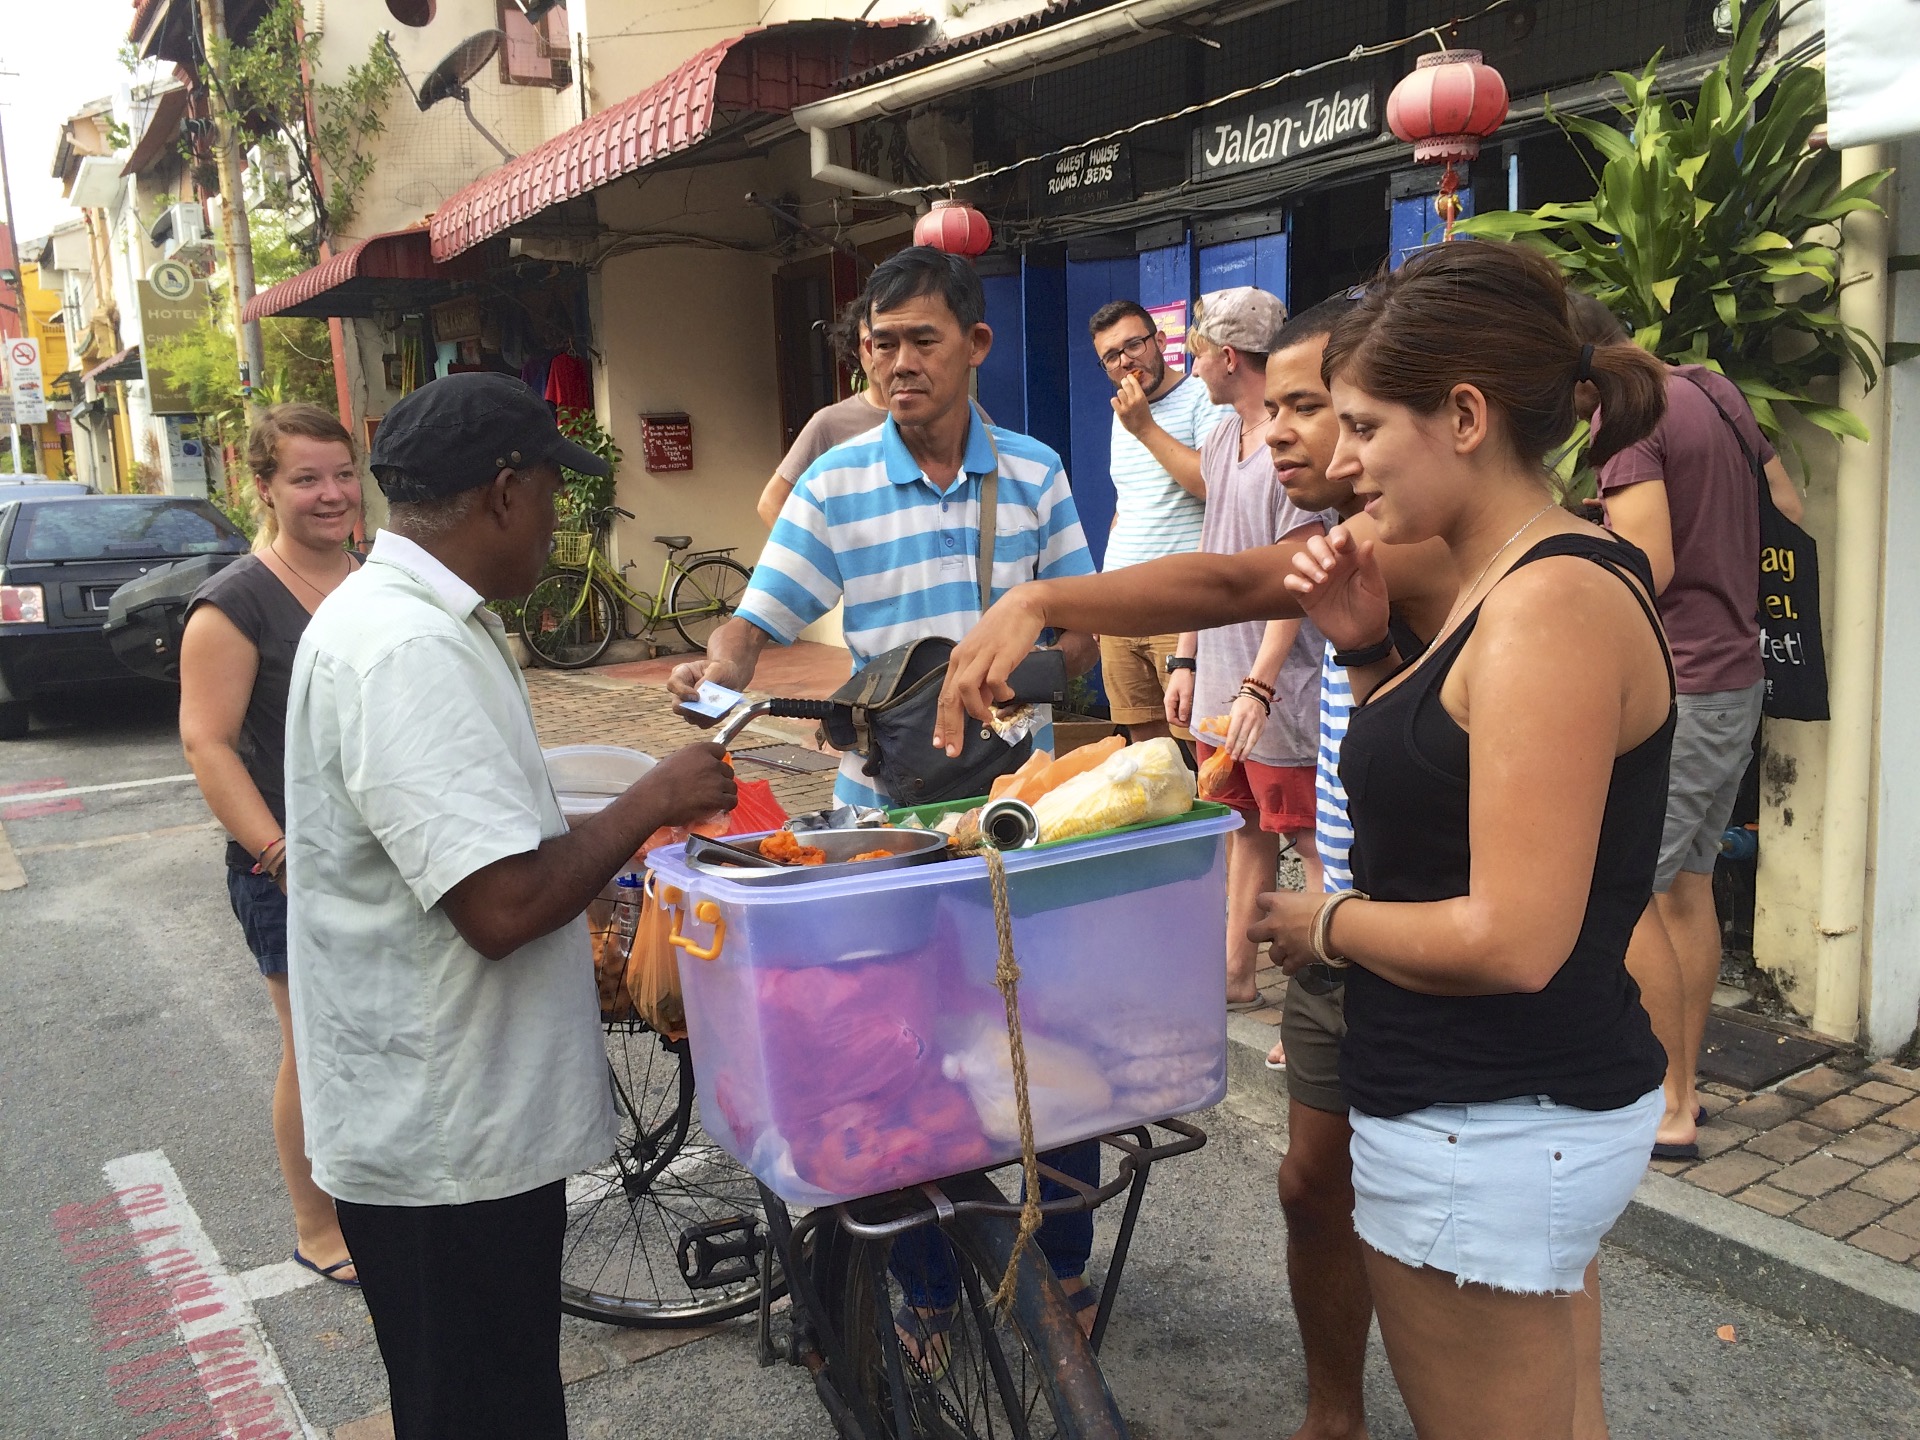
[(1281, 795)]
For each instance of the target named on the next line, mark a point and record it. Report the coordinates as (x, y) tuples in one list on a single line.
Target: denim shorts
[(262, 912), (1514, 1194)]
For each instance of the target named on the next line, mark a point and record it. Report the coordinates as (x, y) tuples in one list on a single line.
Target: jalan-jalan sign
[(1283, 132)]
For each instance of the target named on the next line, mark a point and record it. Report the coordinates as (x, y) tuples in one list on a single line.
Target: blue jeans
[(922, 1260)]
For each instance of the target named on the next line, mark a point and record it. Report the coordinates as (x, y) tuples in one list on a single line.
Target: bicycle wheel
[(628, 1220), (1027, 1373), (568, 620), (704, 597)]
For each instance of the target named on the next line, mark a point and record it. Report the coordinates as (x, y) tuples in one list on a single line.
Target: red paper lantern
[(1447, 106), (1444, 109), (954, 226)]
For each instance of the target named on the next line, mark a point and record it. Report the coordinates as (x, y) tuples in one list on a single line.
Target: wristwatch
[(1180, 662)]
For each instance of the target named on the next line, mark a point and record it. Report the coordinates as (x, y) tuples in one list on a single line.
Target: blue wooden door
[(1089, 285), (1416, 224), (1259, 261)]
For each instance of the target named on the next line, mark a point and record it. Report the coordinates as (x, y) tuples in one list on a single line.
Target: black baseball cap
[(456, 433)]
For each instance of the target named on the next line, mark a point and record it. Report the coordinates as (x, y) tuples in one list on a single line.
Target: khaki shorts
[(1311, 1027), (1134, 670)]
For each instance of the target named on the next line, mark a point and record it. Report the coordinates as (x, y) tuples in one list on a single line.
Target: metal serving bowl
[(909, 847)]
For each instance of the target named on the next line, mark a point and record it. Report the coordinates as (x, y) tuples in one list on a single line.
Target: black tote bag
[(1791, 649)]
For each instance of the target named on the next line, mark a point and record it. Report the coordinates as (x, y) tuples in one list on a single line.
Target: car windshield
[(111, 527)]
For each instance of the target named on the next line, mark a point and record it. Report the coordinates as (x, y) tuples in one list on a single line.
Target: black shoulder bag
[(886, 712), (1791, 648)]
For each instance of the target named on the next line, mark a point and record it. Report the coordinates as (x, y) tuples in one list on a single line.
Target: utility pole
[(19, 288), (234, 233)]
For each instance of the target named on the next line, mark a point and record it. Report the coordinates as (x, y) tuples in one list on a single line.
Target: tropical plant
[(581, 493), (1711, 229), (267, 88)]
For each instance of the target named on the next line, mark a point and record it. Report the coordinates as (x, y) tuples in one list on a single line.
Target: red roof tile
[(767, 71)]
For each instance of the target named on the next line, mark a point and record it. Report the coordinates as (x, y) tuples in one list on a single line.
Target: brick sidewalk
[(1835, 1151), (585, 707)]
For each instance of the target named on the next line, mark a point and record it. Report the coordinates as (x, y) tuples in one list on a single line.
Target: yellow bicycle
[(572, 615)]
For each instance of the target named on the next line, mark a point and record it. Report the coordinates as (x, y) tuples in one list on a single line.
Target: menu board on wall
[(667, 441)]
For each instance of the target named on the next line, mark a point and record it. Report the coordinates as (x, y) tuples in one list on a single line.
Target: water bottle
[(630, 891)]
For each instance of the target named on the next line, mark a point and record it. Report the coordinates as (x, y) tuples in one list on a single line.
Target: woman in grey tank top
[(236, 664)]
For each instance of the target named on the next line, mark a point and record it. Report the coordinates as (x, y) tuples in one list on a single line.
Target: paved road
[(133, 1025)]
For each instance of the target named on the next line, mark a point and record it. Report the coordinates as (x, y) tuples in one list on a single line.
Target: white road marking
[(236, 1363), (266, 1281), (12, 877), (54, 847), (97, 789)]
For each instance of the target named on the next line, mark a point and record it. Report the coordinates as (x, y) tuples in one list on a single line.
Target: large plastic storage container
[(848, 1037)]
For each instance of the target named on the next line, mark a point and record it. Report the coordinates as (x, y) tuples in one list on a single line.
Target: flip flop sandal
[(1082, 1300), (327, 1272), (915, 1332), (1240, 1007), (1664, 1151)]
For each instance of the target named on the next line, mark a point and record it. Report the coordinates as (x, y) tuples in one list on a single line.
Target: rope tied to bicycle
[(1006, 977)]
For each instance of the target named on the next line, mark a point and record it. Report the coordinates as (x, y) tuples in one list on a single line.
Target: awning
[(169, 109), (762, 72), (123, 366), (395, 271)]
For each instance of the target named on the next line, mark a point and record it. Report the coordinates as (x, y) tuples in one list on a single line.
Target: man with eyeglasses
[(1159, 419)]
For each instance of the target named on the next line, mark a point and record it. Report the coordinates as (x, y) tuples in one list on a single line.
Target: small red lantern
[(1444, 109), (954, 226)]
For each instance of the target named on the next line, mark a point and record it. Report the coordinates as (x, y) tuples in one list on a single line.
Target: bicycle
[(572, 615), (673, 1232)]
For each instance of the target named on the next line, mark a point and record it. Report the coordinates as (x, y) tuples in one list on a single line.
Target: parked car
[(61, 559), (19, 487)]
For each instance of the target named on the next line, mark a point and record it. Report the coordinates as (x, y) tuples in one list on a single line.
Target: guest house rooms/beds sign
[(1278, 133), (1083, 179)]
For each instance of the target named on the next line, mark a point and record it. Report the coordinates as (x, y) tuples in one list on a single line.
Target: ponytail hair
[(263, 453), (1495, 316)]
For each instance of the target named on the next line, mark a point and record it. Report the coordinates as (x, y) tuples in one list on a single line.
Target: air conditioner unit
[(179, 224)]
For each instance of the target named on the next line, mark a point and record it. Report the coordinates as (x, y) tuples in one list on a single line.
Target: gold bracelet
[(1317, 934)]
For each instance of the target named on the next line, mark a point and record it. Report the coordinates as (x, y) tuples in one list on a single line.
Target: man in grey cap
[(444, 1006)]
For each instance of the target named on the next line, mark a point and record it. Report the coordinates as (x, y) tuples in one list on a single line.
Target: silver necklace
[(1467, 594)]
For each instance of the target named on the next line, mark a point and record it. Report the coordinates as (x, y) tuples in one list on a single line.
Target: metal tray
[(911, 847)]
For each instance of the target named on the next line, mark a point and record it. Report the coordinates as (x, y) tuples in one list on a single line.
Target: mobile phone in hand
[(712, 705)]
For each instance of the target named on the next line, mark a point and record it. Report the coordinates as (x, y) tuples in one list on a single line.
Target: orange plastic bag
[(1214, 773), (1074, 762), (756, 811), (653, 970)]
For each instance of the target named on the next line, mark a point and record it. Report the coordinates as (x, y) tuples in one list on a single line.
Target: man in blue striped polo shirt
[(889, 521)]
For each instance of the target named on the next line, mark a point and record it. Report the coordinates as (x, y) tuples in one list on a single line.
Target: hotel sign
[(1283, 132), (1083, 179)]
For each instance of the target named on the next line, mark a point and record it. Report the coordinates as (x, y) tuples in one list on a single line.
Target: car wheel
[(13, 720)]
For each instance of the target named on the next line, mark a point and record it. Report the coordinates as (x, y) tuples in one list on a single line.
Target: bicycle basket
[(571, 548)]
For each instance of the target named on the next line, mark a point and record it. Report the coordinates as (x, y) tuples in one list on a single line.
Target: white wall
[(1892, 988)]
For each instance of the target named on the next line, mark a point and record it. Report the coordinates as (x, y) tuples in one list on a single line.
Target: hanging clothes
[(567, 385)]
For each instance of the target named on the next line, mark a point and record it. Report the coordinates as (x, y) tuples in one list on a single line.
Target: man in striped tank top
[(1325, 1270)]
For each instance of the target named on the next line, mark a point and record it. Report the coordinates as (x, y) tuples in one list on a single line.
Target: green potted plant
[(1710, 231)]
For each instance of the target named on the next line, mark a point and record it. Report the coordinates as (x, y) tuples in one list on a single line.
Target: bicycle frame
[(649, 605), (812, 1337)]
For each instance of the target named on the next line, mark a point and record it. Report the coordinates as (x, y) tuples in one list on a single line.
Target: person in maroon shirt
[(1686, 496)]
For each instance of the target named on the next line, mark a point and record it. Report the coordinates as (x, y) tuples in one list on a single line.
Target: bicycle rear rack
[(888, 1216)]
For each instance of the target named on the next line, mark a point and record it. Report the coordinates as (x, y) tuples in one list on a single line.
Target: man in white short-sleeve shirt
[(1160, 419), (445, 1015)]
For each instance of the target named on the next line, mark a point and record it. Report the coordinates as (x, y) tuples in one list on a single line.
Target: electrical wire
[(1359, 52)]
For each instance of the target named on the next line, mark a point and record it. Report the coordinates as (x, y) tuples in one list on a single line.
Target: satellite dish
[(448, 80)]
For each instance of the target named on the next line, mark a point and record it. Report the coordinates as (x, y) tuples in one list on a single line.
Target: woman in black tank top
[(1507, 792), (236, 666)]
